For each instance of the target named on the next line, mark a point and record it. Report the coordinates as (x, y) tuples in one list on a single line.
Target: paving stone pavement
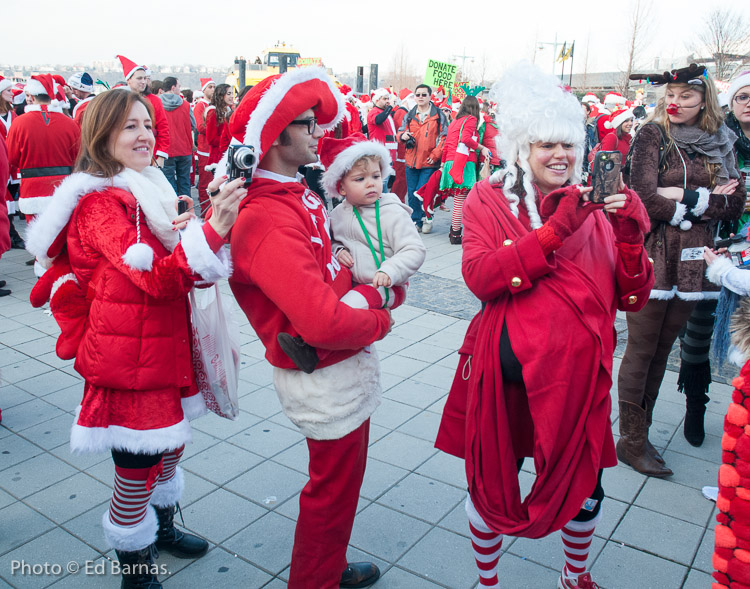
[(243, 477)]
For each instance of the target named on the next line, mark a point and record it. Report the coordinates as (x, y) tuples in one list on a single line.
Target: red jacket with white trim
[(161, 127), (180, 130), (384, 133), (41, 139)]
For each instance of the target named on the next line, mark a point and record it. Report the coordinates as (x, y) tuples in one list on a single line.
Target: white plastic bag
[(216, 352)]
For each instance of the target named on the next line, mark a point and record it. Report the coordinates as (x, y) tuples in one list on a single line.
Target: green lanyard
[(378, 262)]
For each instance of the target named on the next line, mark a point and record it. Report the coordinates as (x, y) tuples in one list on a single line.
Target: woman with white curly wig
[(535, 368)]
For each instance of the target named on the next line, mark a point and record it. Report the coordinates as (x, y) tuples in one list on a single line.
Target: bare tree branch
[(724, 40), (640, 24)]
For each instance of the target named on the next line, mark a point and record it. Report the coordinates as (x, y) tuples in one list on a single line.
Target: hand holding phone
[(605, 175)]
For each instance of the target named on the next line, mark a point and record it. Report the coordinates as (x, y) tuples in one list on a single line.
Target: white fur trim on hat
[(739, 82), (347, 158), (211, 266), (273, 97), (169, 493), (139, 256), (95, 440), (380, 92), (131, 538), (619, 119), (35, 87), (5, 83)]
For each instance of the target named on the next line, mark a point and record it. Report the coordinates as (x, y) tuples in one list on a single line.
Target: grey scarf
[(717, 148)]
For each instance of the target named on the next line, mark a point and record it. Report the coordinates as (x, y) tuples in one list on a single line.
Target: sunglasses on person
[(311, 124), (742, 98), (421, 95)]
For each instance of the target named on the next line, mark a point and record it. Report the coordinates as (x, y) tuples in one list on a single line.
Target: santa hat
[(5, 84), (532, 106), (590, 98), (614, 98), (269, 107), (129, 67), (739, 82), (404, 93), (205, 82), (81, 81), (618, 117), (197, 95), (346, 90), (364, 98), (47, 84), (19, 95), (339, 156), (379, 92)]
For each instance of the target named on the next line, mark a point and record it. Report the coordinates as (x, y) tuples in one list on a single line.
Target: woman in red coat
[(118, 279), (217, 130), (460, 161), (621, 121), (535, 369)]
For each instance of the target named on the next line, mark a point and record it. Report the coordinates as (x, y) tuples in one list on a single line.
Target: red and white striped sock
[(487, 546), (458, 211), (171, 460), (576, 538), (131, 497)]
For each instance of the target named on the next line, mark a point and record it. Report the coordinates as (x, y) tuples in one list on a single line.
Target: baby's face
[(363, 185)]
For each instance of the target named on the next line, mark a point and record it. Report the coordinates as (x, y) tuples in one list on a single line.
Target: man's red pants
[(328, 504)]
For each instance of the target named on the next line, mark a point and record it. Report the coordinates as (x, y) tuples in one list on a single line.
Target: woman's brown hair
[(470, 106), (105, 116), (217, 100)]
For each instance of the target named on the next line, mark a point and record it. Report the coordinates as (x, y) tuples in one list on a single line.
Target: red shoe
[(584, 581)]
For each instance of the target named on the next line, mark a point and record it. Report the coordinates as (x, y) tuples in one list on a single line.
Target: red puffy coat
[(135, 316), (468, 137)]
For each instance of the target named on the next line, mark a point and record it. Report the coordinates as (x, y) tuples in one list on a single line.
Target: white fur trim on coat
[(716, 270), (346, 159), (679, 214), (332, 401), (47, 226), (132, 538), (95, 440), (272, 99), (665, 295), (139, 256), (193, 406), (211, 266), (736, 357), (53, 106), (703, 197), (169, 493), (33, 205)]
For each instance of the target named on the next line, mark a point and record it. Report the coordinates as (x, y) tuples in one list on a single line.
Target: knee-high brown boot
[(631, 447)]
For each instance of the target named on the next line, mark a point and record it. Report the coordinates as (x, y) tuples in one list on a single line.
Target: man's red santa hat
[(19, 95), (269, 107), (46, 84), (129, 67), (346, 90), (205, 82), (339, 156)]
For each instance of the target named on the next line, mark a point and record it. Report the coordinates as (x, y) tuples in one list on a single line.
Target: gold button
[(651, 260), (515, 281), (508, 242), (632, 299)]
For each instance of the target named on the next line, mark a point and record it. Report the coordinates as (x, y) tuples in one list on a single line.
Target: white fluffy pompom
[(685, 225), (139, 256)]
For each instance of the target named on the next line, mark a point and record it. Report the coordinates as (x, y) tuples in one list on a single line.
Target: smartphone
[(182, 207), (605, 175)]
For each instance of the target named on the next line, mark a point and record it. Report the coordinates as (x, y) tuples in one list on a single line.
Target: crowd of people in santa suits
[(439, 148)]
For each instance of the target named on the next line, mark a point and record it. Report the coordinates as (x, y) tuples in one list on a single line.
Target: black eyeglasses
[(421, 95), (311, 124)]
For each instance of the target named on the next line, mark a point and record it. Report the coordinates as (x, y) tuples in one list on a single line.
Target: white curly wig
[(533, 106)]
